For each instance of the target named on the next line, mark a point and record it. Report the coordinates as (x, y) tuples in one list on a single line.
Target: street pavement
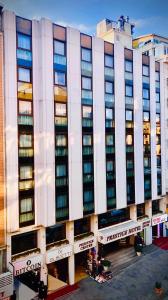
[(135, 282)]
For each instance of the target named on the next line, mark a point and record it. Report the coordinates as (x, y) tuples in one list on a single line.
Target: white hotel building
[(84, 144)]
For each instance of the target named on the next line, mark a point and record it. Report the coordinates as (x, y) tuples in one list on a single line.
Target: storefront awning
[(116, 232)]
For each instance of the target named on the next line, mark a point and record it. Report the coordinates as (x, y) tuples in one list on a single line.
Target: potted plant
[(158, 288), (138, 249), (106, 264)]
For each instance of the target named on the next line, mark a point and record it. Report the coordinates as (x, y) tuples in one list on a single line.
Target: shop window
[(24, 242), (128, 66), (81, 226), (109, 61), (55, 233), (86, 55)]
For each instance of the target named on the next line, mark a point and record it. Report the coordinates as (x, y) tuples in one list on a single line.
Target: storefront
[(83, 245), (57, 264), (157, 225)]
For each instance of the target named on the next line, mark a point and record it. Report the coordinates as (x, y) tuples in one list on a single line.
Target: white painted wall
[(44, 142), (138, 127), (11, 130), (120, 148), (74, 124), (99, 126), (153, 128), (163, 100)]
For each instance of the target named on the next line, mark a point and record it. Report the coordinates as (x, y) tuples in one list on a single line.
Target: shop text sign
[(27, 265), (159, 219), (84, 244), (145, 223), (105, 239), (58, 253)]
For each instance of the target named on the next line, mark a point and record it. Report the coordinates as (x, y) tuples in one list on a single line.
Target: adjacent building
[(84, 144)]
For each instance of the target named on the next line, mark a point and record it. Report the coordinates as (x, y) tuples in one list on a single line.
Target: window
[(86, 83), (110, 166), (109, 61), (145, 70), (145, 93), (25, 140), (26, 172), (60, 78), (87, 112), (60, 170), (88, 196), (146, 116), (60, 109), (109, 114), (157, 97), (146, 162), (109, 140), (147, 184), (157, 76), (59, 48), (87, 140), (129, 115), (26, 205), (157, 118), (25, 108), (158, 161), (128, 90), (87, 168), (24, 55), (30, 242), (55, 233), (61, 140), (129, 139), (109, 87), (146, 139), (24, 41), (24, 75), (86, 55), (130, 164), (110, 192), (62, 201), (158, 139), (128, 66)]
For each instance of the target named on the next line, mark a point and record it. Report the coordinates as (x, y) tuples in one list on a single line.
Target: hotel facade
[(84, 144)]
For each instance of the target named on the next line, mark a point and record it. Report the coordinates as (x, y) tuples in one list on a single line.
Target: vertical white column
[(94, 228), (138, 127), (99, 126), (148, 230), (71, 259), (153, 128), (42, 245), (44, 143), (74, 124), (120, 147), (163, 101), (11, 129)]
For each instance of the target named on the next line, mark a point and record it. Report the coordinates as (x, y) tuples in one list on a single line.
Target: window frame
[(26, 68), (90, 79)]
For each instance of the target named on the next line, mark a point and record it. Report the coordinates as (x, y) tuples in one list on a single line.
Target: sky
[(149, 16)]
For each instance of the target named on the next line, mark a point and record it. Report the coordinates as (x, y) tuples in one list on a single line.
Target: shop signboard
[(58, 253), (157, 219), (117, 232), (29, 264), (146, 222), (6, 285), (84, 244)]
